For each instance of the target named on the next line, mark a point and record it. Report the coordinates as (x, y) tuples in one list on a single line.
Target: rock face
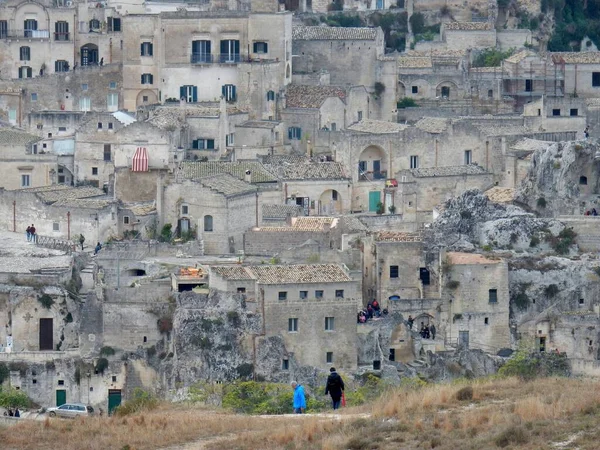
[(552, 185), (460, 364)]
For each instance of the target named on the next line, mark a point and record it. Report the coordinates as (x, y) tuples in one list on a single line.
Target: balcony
[(62, 36), (374, 175), (230, 58), (201, 58), (30, 34)]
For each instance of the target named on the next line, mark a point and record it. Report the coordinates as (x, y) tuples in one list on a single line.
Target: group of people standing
[(426, 331), (334, 387), (373, 309), (30, 232)]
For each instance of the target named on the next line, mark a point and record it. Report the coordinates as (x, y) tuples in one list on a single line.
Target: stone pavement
[(19, 256)]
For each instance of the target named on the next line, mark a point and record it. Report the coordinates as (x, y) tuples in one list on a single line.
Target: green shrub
[(406, 102), (69, 318), (491, 57), (487, 248), (4, 372), (551, 290), (46, 301), (13, 398), (465, 393), (417, 23), (140, 401), (166, 234), (534, 242), (512, 435), (522, 301), (101, 365), (563, 242), (107, 351)]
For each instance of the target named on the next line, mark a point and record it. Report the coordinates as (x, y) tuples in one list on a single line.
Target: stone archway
[(146, 97), (330, 203), (372, 164), (447, 90)]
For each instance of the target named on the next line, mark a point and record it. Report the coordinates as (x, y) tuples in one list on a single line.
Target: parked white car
[(71, 410)]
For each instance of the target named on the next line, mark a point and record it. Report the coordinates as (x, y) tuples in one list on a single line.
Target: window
[(260, 48), (85, 104), (94, 171), (12, 116), (188, 93), (595, 79), (94, 24), (208, 223), (334, 195), (339, 293), (468, 157), (25, 181), (112, 85), (145, 98), (203, 144), (84, 87), (112, 101), (319, 294), (147, 78), (581, 301), (556, 112), (359, 116), (61, 31), (61, 382), (528, 85), (285, 365), (107, 152), (229, 140), (333, 126), (582, 180), (294, 133), (414, 162), (230, 51), (329, 357), (29, 26), (63, 66), (24, 53), (445, 91), (282, 295), (303, 295), (184, 210), (241, 290), (201, 52), (292, 325), (25, 72), (99, 125), (228, 91), (415, 89), (61, 179), (393, 271), (110, 125), (490, 93), (493, 296), (34, 97), (574, 112), (114, 24), (146, 49), (126, 222), (3, 29), (486, 321), (329, 323), (270, 96)]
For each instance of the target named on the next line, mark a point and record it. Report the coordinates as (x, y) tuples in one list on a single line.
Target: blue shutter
[(233, 94), (194, 94), (150, 49), (266, 47), (142, 49), (151, 79), (299, 133), (224, 91), (182, 92), (210, 144), (290, 133), (195, 47), (255, 47)]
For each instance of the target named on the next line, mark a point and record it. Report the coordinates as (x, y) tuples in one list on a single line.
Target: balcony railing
[(33, 34), (230, 58), (374, 175), (201, 58), (62, 36)]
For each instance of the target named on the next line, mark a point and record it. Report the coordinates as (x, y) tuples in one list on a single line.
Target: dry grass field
[(552, 413)]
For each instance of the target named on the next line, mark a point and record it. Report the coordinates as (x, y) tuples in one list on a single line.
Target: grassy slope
[(503, 413)]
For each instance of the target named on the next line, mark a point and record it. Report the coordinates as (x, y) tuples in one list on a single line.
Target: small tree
[(12, 398)]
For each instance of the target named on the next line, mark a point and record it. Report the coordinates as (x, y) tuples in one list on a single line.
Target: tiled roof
[(377, 127), (414, 62), (448, 171), (232, 272), (577, 57), (226, 184), (142, 209), (398, 236), (500, 195), (351, 223), (175, 116), (491, 130), (301, 273), (281, 211), (303, 168), (196, 169), (56, 193), (333, 33), (304, 223), (519, 56), (298, 96), (89, 203), (14, 136), (468, 26), (267, 124), (469, 258), (434, 125)]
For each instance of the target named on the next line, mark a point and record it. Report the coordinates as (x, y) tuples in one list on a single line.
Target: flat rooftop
[(19, 256)]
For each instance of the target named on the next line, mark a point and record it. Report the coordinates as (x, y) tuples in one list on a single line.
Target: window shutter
[(151, 79), (109, 23), (194, 94), (151, 49), (224, 91), (266, 47), (142, 49), (195, 47), (233, 93), (142, 79), (210, 144), (195, 144), (299, 133), (182, 93), (255, 47), (29, 72), (290, 133)]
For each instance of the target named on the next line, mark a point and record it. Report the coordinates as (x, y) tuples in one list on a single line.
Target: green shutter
[(182, 92)]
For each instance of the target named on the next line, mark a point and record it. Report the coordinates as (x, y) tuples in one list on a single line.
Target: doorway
[(445, 92), (542, 344), (463, 339), (374, 199), (114, 400), (46, 334), (61, 397), (424, 276)]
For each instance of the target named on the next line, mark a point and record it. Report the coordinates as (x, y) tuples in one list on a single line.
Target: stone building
[(218, 208), (581, 72), (24, 163), (228, 51), (312, 307), (464, 35), (479, 308)]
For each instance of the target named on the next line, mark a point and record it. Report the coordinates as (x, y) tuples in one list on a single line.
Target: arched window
[(582, 180), (208, 223)]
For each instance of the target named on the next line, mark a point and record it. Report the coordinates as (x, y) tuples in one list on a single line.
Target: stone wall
[(269, 243)]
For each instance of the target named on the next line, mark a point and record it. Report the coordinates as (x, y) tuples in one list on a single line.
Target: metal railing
[(372, 175), (201, 58), (33, 34), (62, 36), (54, 243)]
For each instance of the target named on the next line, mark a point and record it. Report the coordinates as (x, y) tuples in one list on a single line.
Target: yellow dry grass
[(501, 413)]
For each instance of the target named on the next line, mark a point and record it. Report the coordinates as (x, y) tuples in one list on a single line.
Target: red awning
[(139, 162)]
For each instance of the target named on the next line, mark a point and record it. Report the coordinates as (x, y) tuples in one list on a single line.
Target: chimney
[(248, 176)]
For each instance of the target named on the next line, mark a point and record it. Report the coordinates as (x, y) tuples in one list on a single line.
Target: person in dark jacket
[(335, 387)]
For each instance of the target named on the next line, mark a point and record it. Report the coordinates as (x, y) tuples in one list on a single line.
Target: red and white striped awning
[(139, 163)]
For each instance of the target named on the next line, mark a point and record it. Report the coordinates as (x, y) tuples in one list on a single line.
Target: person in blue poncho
[(299, 398)]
